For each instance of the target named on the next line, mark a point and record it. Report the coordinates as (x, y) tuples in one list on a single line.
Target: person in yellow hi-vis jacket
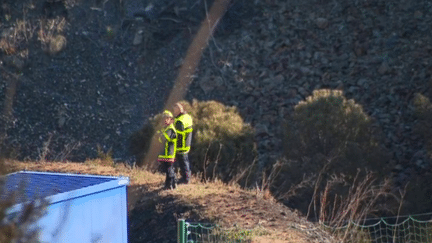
[(168, 136), (183, 124)]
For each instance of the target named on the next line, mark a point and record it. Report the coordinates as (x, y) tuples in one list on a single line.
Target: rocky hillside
[(377, 52), (87, 74), (120, 60)]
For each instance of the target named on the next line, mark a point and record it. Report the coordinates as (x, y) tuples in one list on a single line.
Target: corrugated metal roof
[(33, 185)]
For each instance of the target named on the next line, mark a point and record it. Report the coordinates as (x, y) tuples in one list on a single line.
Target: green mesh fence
[(412, 228), (402, 229), (208, 233)]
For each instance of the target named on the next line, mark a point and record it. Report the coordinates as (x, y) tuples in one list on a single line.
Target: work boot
[(167, 188), (183, 181), (170, 185)]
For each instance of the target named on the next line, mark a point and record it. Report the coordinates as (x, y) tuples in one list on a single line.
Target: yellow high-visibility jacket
[(183, 124), (169, 134)]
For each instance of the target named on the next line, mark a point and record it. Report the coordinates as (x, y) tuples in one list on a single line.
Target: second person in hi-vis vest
[(168, 137), (183, 124)]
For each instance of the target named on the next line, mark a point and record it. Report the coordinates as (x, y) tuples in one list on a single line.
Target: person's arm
[(171, 146), (188, 139), (171, 134)]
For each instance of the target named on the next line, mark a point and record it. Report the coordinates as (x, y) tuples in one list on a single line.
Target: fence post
[(181, 231)]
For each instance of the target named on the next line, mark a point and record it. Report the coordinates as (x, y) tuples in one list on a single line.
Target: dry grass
[(363, 200), (57, 43), (8, 47), (14, 41), (51, 36), (229, 206)]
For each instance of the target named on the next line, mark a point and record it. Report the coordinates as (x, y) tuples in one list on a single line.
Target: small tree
[(222, 146), (327, 134)]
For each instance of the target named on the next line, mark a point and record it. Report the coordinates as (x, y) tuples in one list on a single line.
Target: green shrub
[(222, 145), (327, 134)]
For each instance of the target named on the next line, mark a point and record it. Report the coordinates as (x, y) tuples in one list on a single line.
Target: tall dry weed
[(364, 198), (15, 39), (51, 34)]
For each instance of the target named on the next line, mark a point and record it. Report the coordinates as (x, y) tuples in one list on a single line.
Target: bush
[(222, 145), (327, 134)]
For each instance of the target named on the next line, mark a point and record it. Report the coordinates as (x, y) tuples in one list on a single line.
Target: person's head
[(167, 118), (178, 109)]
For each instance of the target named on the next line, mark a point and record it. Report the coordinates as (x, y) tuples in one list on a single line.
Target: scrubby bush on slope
[(328, 133), (222, 146)]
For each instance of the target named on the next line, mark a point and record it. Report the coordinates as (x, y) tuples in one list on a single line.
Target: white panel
[(98, 217)]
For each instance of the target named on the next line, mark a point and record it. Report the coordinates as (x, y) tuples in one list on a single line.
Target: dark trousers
[(170, 174), (183, 163)]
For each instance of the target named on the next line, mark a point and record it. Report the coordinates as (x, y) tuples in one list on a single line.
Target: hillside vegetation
[(290, 99)]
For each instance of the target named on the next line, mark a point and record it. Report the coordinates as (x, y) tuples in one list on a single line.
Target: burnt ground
[(104, 84)]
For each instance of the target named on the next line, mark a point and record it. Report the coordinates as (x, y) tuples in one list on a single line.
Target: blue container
[(81, 208)]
